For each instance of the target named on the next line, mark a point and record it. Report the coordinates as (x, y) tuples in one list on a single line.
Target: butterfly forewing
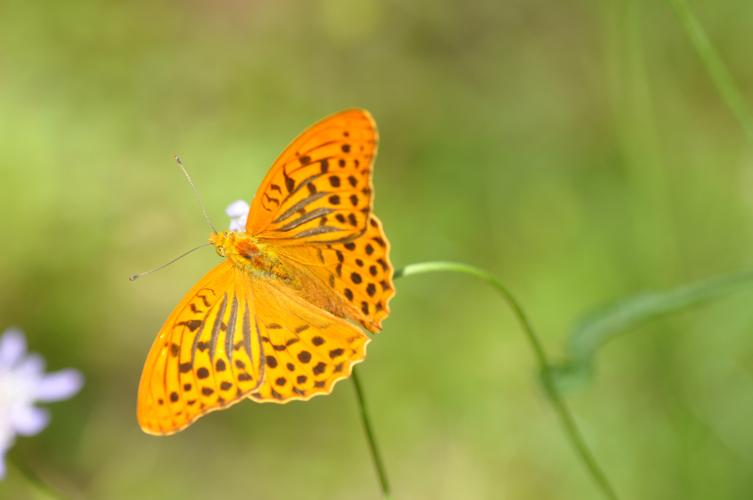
[(319, 189), (207, 355), (315, 207)]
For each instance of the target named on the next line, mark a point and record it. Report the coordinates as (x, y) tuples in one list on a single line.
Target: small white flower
[(22, 383), (238, 213)]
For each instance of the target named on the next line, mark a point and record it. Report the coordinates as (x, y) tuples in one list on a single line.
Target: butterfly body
[(250, 256), (284, 316)]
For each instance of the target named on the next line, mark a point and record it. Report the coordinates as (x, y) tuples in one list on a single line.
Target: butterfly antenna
[(196, 192), (139, 275)]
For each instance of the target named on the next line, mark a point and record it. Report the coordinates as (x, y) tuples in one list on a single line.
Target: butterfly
[(285, 315)]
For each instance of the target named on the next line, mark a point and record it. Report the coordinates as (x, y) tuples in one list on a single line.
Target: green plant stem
[(34, 479), (716, 68), (560, 408), (376, 457)]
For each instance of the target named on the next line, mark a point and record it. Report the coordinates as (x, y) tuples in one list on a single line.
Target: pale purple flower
[(238, 213), (22, 383)]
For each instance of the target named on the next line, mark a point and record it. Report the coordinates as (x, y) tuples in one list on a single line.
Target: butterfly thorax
[(248, 254)]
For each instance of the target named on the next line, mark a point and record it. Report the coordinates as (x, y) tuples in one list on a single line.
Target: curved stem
[(566, 418), (375, 456), (34, 479)]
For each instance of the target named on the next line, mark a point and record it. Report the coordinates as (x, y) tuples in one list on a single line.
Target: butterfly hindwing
[(207, 355), (306, 350), (319, 189), (357, 273)]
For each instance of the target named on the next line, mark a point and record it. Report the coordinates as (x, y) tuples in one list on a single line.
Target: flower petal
[(238, 208), (59, 385), (238, 213), (29, 420), (7, 438), (30, 368), (12, 347)]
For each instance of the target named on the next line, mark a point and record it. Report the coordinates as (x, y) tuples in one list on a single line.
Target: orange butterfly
[(277, 319)]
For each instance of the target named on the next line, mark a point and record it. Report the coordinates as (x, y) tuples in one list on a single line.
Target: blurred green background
[(579, 150)]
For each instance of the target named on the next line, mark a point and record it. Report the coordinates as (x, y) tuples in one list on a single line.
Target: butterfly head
[(223, 242), (237, 246)]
